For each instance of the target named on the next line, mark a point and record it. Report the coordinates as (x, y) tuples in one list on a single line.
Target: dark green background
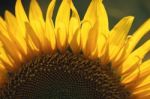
[(116, 10)]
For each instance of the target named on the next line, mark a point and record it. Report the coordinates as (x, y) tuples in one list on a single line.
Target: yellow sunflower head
[(71, 58)]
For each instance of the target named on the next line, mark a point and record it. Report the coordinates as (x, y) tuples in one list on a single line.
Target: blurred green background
[(116, 9)]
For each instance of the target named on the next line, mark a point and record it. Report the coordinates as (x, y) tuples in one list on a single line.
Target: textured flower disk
[(23, 38)]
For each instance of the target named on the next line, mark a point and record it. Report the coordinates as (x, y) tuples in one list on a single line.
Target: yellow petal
[(92, 39), (4, 58), (104, 54), (3, 27), (21, 16), (119, 59), (15, 33), (142, 93), (145, 87), (95, 12), (37, 22), (63, 13), (118, 36), (31, 33), (19, 11), (3, 55), (62, 23), (50, 9), (88, 22), (73, 26), (91, 13), (138, 75), (50, 34), (75, 42), (74, 30), (101, 44), (61, 37), (35, 13), (11, 23), (142, 50), (135, 57), (144, 81), (145, 28), (74, 22), (9, 45), (102, 19), (86, 26)]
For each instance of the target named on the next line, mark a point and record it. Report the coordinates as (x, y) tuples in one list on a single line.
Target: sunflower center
[(64, 76)]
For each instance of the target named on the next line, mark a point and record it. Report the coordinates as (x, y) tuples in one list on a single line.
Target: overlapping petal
[(118, 36), (74, 30), (137, 35), (134, 58), (50, 33), (37, 22), (62, 23)]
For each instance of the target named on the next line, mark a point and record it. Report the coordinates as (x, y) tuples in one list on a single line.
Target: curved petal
[(50, 33), (62, 23), (103, 30), (14, 32), (75, 42), (20, 16), (37, 22), (32, 35), (88, 22), (11, 23), (61, 37), (134, 39), (9, 45), (74, 30), (118, 36), (91, 44), (142, 94), (95, 13), (139, 75), (134, 57), (102, 18), (6, 61)]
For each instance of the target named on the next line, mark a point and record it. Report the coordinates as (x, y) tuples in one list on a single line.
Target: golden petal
[(91, 44), (37, 23), (61, 37), (118, 35), (102, 19), (89, 21), (137, 35), (74, 30), (62, 23), (20, 15), (50, 33), (139, 75), (9, 45), (95, 13), (32, 35), (134, 57), (15, 33)]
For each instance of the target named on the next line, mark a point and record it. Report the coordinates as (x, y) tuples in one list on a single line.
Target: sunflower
[(73, 58)]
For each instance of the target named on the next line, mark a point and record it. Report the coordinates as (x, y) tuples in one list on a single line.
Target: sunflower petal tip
[(130, 18), (7, 13)]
